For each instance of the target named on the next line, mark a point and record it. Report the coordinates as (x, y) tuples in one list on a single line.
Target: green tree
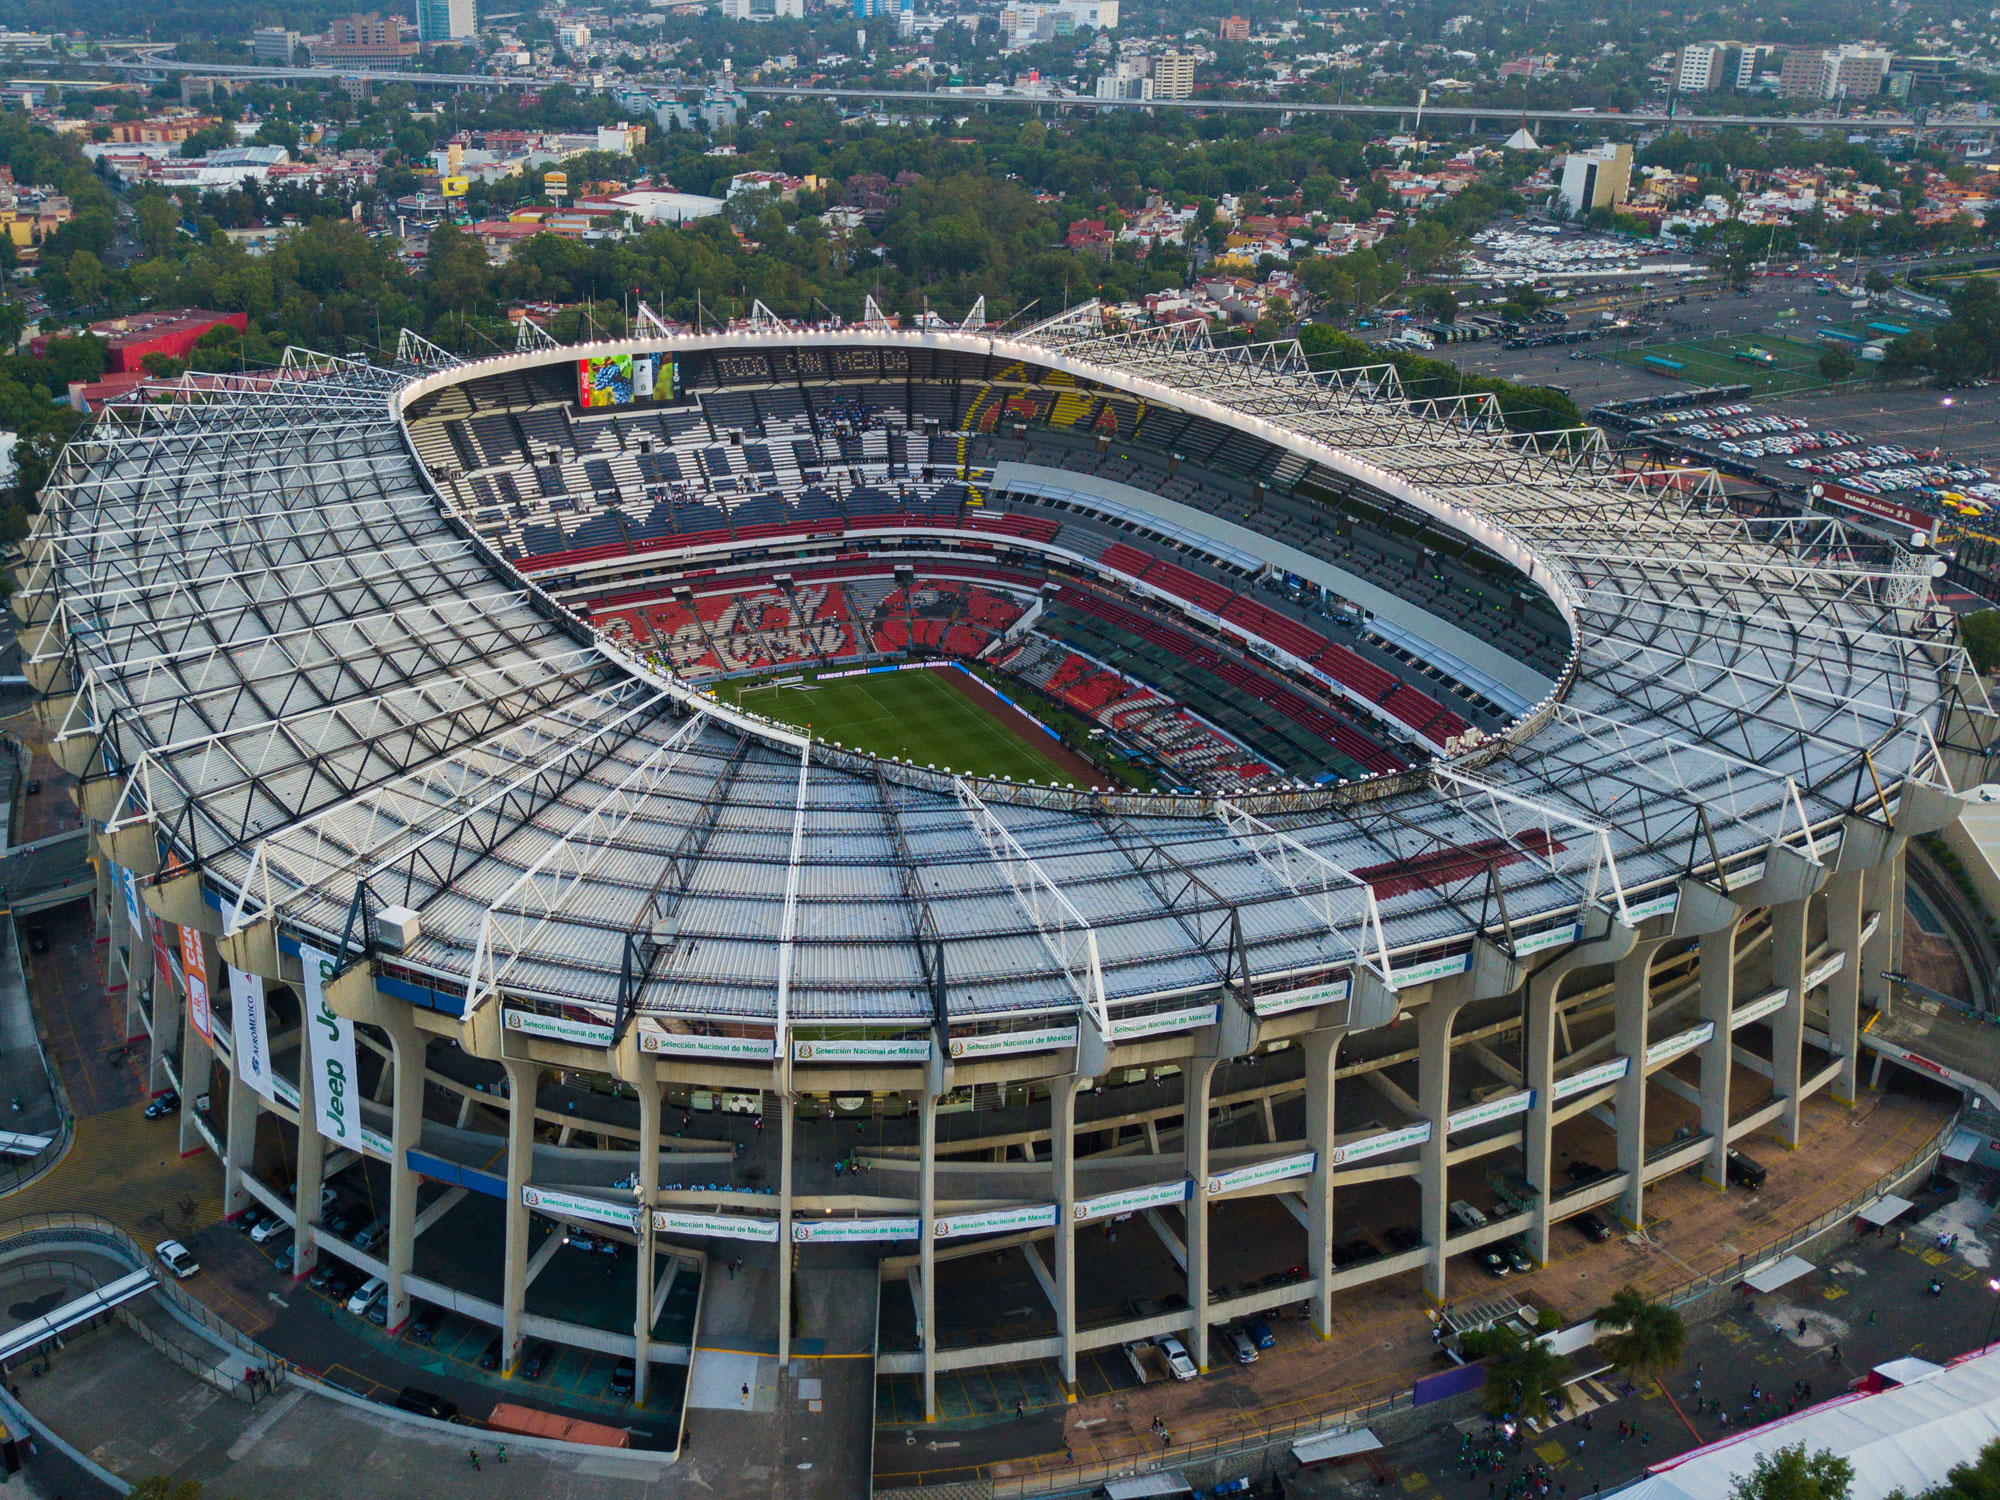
[(1441, 302), (1979, 633), (455, 270), (1835, 364), (1523, 1377), (157, 218), (85, 273), (1645, 1338), (1794, 1474)]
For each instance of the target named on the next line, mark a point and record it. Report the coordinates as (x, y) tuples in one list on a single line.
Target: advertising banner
[(1028, 1216), (621, 379), (992, 1044), (248, 1030), (715, 1226), (195, 971), (1590, 1078), (557, 1028), (1300, 1165), (1668, 1048), (1491, 1110), (863, 1049), (1381, 1144), (1125, 1028), (135, 909), (330, 1048), (1290, 1000), (1131, 1200), (851, 1231), (577, 1206), (1756, 1010), (674, 1044)]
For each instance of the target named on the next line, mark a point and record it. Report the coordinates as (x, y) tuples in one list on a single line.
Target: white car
[(268, 1229), (366, 1293), (1176, 1355), (175, 1257)]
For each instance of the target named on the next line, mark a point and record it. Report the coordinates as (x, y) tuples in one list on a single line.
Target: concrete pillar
[(162, 1036), (1322, 1050), (648, 1090), (1434, 1099), (197, 1062), (1538, 1073), (786, 1121), (1062, 1186), (522, 1078), (1198, 1075), (239, 1145), (927, 1246), (119, 935), (406, 1130), (1788, 1024), (1631, 999), (310, 1177), (1882, 893), (1716, 974), (1843, 990)]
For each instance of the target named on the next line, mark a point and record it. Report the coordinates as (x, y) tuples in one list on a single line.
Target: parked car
[(366, 1293), (1176, 1355), (1403, 1237), (1592, 1228), (165, 1104), (269, 1229), (1517, 1255), (1744, 1171), (378, 1309), (1238, 1343), (38, 939), (623, 1376), (424, 1322), (323, 1274), (425, 1404), (489, 1357), (345, 1280), (175, 1257), (371, 1233), (282, 1262), (1465, 1215), (1582, 1171), (1260, 1333), (248, 1220), (537, 1359), (1493, 1263)]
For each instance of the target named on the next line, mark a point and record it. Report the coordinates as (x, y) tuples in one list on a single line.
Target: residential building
[(365, 41), (1701, 63), (273, 44), (1846, 72), (1126, 81), (1596, 179), (1233, 29), (446, 20), (1173, 75), (573, 36)]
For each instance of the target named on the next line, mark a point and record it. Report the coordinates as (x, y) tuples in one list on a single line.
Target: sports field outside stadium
[(915, 715)]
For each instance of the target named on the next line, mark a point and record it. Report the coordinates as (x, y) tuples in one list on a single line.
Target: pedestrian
[(746, 1393), (732, 1270), (473, 1454), (1579, 1447), (1069, 1454), (1645, 1437), (503, 1453), (1020, 1409)]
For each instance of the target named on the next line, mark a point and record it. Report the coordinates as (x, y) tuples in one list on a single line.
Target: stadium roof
[(1907, 1438), (305, 675)]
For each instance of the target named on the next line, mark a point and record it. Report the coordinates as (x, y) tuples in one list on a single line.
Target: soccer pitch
[(1712, 362), (913, 716)]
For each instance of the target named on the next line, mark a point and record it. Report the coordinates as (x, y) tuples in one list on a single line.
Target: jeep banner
[(336, 1090)]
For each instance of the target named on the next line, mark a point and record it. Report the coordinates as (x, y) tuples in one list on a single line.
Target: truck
[(525, 1420)]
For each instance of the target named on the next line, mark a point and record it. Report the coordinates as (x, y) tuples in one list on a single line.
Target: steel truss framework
[(272, 637)]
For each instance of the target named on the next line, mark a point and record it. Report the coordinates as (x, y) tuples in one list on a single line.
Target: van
[(425, 1404), (1745, 1172), (1465, 1215), (366, 1293)]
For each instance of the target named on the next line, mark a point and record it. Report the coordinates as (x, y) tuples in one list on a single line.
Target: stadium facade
[(1516, 804)]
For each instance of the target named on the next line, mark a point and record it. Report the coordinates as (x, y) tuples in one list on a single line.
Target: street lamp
[(1993, 1286), (1942, 421)]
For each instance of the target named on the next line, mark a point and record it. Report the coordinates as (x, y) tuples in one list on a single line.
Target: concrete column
[(1434, 1099), (239, 1145), (786, 1122), (927, 1246), (1893, 916), (197, 1061), (1062, 1186), (405, 1135), (1843, 991), (522, 1078), (1538, 1073), (1716, 973), (1198, 1074), (1631, 998), (648, 1090), (311, 1176), (1788, 1025), (1322, 1049), (1881, 892), (101, 905), (163, 1034)]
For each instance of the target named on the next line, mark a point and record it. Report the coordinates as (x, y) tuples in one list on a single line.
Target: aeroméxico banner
[(251, 1035), (336, 1104)]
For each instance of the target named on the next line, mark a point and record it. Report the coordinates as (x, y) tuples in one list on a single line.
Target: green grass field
[(1709, 362), (913, 716)]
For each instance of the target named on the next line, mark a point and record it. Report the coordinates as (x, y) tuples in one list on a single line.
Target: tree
[(1794, 1474), (1441, 303), (1647, 1338), (1524, 1378), (455, 270), (1979, 633), (1835, 364), (86, 278)]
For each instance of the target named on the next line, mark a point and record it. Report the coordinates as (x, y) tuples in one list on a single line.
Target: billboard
[(622, 379)]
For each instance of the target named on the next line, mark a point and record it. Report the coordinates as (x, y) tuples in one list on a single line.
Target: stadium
[(1130, 780)]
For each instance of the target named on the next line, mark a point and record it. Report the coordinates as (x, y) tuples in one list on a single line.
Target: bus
[(1660, 364)]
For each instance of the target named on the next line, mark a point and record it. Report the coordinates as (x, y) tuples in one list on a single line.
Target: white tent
[(1521, 140), (1908, 1438)]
